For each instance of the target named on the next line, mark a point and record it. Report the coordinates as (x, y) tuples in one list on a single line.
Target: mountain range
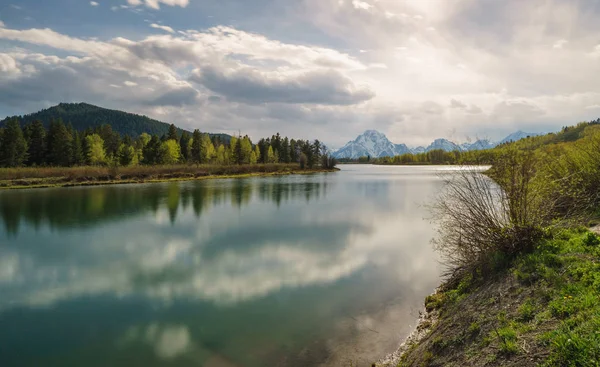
[(83, 116), (375, 144)]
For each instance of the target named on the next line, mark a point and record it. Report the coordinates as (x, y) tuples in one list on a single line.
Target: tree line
[(61, 145)]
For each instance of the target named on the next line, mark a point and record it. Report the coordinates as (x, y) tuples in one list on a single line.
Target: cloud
[(457, 104), (486, 57), (155, 4), (93, 3), (361, 5), (129, 83), (251, 86), (559, 44), (163, 27), (1, 24)]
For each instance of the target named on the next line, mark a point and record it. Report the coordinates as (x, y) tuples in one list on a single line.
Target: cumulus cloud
[(93, 3), (163, 27), (269, 72), (155, 4), (251, 86), (511, 62)]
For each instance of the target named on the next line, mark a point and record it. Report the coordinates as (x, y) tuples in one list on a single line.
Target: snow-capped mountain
[(516, 136), (371, 143), (442, 144), (479, 145), (375, 144)]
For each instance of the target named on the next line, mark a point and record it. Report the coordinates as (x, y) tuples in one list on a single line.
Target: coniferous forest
[(60, 145)]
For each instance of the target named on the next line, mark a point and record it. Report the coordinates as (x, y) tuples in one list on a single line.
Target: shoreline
[(424, 324), (524, 315), (63, 181)]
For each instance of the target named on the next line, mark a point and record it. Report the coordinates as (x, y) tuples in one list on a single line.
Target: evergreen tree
[(184, 144), (151, 151), (263, 147), (172, 135), (112, 140), (316, 148), (284, 155), (126, 155), (233, 148), (77, 158), (59, 144), (293, 151), (196, 149), (37, 144), (13, 148), (85, 148)]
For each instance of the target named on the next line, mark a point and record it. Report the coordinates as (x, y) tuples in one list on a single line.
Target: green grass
[(543, 308), (569, 265)]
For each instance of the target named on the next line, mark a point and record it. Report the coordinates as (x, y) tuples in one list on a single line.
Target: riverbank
[(541, 309), (44, 177)]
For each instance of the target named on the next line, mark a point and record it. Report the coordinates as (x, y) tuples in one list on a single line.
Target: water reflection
[(80, 207), (281, 271)]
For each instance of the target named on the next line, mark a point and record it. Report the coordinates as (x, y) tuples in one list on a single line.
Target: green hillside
[(83, 116)]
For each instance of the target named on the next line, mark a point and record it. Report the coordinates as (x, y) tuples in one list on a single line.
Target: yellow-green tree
[(221, 156), (245, 150), (95, 154), (170, 152), (207, 149), (271, 156)]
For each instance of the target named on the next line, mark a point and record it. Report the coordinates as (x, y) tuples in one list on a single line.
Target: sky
[(415, 70)]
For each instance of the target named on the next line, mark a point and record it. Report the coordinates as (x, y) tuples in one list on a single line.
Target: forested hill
[(82, 116)]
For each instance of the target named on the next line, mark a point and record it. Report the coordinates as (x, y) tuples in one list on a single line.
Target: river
[(303, 270)]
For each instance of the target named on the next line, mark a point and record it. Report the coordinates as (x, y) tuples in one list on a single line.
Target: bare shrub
[(481, 218)]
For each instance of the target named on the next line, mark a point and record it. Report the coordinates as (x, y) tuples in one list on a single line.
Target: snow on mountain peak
[(375, 144)]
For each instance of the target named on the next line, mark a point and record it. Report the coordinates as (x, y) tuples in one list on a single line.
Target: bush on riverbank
[(524, 284)]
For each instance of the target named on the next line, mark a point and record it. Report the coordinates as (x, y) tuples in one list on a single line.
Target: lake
[(305, 270)]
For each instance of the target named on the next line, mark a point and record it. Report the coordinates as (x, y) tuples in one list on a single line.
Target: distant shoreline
[(48, 177)]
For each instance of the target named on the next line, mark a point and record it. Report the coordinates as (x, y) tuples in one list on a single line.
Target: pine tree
[(172, 135), (293, 151), (184, 143), (13, 148), (152, 150), (284, 155), (59, 144), (112, 140), (37, 144), (196, 150), (77, 158), (126, 155)]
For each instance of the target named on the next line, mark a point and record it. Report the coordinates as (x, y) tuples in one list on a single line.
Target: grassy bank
[(33, 177), (522, 284), (541, 309)]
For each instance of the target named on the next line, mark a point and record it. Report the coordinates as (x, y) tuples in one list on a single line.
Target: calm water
[(313, 270)]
